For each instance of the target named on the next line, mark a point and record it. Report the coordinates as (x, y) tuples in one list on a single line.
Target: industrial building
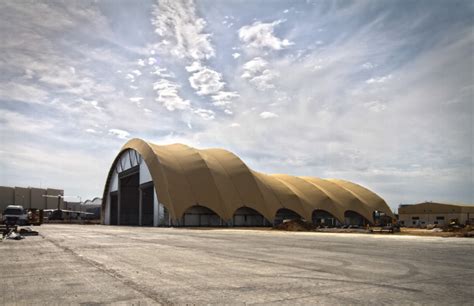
[(30, 197), (177, 185), (420, 215)]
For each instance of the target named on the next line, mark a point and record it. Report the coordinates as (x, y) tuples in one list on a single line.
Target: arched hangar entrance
[(131, 197), (324, 218), (285, 214), (246, 216), (198, 215), (354, 218)]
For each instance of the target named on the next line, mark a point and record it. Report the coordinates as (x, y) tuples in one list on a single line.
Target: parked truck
[(17, 215)]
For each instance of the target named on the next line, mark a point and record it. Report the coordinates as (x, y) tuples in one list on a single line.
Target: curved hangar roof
[(218, 179)]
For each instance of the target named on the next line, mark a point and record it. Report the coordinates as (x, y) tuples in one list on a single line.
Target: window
[(415, 218), (13, 211), (414, 222), (440, 218)]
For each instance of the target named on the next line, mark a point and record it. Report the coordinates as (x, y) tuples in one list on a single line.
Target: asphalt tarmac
[(112, 264)]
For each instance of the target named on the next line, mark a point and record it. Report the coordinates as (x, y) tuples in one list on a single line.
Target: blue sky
[(377, 92)]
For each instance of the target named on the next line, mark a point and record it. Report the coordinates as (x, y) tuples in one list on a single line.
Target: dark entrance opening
[(113, 208), (147, 204), (245, 216), (129, 196), (353, 218), (285, 214), (201, 216), (323, 218), (381, 218)]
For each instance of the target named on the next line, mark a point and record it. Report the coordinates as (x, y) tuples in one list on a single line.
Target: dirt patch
[(467, 232), (295, 226)]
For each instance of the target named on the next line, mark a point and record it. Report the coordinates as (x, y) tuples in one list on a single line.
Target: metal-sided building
[(422, 214), (177, 185), (29, 197)]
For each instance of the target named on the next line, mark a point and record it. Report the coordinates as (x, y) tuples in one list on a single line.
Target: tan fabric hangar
[(177, 185)]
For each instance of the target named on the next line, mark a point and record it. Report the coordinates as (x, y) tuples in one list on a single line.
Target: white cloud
[(228, 111), (181, 30), (90, 103), (15, 91), (195, 66), (268, 115), (260, 36), (152, 61), (224, 98), (141, 62), (137, 72), (206, 114), (13, 122), (254, 66), (368, 65), (234, 124), (379, 80), (162, 72), (256, 72), (92, 131), (235, 55), (136, 99), (121, 134), (263, 81), (375, 106), (168, 96), (206, 81)]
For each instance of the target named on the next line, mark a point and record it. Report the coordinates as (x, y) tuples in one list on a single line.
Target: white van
[(15, 214)]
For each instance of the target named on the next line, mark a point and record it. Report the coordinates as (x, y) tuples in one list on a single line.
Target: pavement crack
[(151, 294)]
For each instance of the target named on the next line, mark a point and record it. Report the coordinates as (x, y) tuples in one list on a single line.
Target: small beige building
[(30, 197), (415, 215)]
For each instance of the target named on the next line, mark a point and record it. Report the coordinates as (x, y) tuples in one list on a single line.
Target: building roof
[(218, 179), (433, 207), (94, 201)]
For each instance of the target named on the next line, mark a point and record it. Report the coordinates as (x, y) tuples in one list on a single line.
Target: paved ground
[(104, 264)]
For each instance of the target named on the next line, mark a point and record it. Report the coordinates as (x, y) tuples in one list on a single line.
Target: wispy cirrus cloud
[(183, 36), (181, 31)]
